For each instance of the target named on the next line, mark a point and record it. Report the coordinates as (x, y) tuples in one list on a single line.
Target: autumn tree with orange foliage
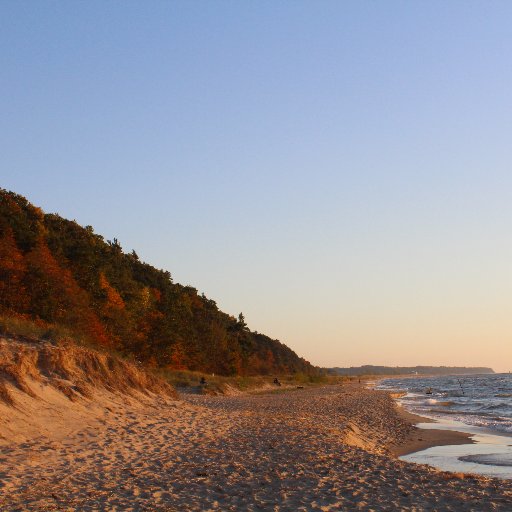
[(13, 294), (55, 295)]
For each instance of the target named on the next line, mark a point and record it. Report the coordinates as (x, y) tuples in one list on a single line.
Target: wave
[(484, 400), (489, 459)]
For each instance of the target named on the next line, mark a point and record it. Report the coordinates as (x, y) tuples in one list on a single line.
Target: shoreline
[(452, 446), (421, 438)]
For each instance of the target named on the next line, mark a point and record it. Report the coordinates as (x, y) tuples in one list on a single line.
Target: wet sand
[(421, 439), (329, 449)]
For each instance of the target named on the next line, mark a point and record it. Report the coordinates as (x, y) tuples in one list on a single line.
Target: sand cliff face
[(47, 390)]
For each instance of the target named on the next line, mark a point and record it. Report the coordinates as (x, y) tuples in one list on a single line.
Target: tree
[(113, 313), (13, 294), (55, 295), (241, 322)]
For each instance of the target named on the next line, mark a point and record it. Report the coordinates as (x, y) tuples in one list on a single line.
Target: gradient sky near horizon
[(341, 172)]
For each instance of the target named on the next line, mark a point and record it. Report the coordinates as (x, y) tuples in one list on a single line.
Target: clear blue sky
[(341, 172)]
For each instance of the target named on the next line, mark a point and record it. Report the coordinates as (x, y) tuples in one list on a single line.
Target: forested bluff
[(58, 274)]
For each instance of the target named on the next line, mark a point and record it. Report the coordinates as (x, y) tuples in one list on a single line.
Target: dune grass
[(219, 384), (18, 325)]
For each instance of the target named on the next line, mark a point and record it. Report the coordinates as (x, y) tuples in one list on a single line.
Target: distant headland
[(413, 370)]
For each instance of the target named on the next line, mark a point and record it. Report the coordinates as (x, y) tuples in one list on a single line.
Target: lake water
[(480, 405)]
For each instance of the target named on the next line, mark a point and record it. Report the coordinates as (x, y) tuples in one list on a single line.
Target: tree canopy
[(57, 272)]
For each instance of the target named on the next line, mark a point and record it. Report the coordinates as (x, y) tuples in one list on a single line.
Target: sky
[(340, 172)]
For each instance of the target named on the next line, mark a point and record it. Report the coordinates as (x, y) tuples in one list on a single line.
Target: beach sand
[(330, 448)]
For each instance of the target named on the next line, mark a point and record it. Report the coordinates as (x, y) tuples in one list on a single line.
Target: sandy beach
[(330, 448)]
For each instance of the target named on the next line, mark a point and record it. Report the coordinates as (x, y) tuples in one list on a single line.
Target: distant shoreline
[(408, 371)]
